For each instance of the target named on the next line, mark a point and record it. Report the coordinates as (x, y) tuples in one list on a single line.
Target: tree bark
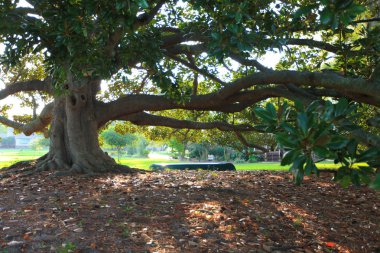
[(74, 146)]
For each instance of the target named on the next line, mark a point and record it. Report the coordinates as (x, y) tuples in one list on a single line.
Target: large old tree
[(200, 56)]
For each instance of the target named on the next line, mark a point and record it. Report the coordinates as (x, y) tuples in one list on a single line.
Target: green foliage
[(334, 13), (255, 158), (115, 139), (138, 146), (200, 151), (322, 130), (177, 148)]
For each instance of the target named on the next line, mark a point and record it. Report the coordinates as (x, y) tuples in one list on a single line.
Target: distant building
[(21, 140)]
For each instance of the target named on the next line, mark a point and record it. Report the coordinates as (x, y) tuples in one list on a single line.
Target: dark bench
[(194, 166)]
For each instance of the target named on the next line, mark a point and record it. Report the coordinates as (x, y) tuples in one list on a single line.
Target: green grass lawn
[(143, 163), (10, 156), (260, 166)]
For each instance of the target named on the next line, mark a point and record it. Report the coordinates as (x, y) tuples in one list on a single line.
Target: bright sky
[(269, 60)]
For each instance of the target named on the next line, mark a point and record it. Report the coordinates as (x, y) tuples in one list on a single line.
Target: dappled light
[(189, 126), (187, 211)]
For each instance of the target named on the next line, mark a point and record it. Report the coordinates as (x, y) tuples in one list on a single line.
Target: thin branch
[(142, 85), (366, 20), (250, 145), (195, 68), (314, 43), (195, 81), (115, 37), (248, 62), (195, 84), (146, 18)]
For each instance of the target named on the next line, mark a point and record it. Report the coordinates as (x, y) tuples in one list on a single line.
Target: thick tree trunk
[(74, 145)]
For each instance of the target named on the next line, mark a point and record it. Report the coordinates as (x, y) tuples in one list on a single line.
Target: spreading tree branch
[(143, 102), (234, 97), (33, 85), (38, 124), (313, 79), (146, 119)]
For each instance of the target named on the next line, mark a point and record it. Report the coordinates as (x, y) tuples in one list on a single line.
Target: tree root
[(25, 167), (49, 162), (89, 166)]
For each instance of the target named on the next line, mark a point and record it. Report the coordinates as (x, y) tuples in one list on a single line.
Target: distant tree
[(141, 144), (3, 129), (198, 151), (177, 148), (116, 140), (40, 143), (201, 151), (8, 142)]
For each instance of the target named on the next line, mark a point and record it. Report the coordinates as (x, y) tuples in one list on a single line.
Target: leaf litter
[(186, 211)]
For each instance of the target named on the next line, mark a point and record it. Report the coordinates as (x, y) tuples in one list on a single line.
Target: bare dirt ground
[(193, 211)]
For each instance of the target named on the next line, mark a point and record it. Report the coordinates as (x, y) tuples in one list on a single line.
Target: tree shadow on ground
[(186, 212)]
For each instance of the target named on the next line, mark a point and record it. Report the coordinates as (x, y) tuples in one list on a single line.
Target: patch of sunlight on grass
[(11, 156), (143, 163), (260, 166)]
